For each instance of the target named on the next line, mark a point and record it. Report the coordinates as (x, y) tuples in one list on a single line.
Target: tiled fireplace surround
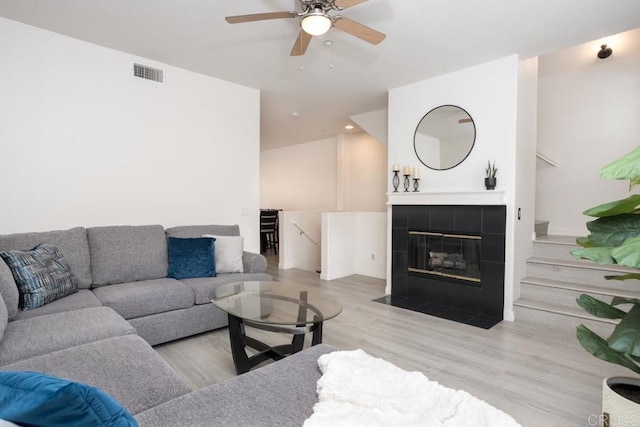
[(479, 304)]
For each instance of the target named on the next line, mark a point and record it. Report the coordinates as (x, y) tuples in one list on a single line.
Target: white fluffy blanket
[(357, 389)]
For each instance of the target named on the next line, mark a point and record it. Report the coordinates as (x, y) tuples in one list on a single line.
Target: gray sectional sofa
[(102, 334)]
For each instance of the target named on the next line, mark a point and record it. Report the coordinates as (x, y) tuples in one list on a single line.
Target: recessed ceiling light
[(348, 127), (295, 114), (328, 43)]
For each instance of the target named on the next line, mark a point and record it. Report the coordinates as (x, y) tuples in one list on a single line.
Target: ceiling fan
[(315, 20)]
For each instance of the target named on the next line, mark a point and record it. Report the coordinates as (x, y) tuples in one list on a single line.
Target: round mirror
[(444, 137)]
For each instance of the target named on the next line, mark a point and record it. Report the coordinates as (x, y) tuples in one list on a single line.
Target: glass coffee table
[(276, 307)]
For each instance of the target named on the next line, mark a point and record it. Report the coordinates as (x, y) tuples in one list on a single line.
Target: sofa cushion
[(228, 253), (84, 298), (125, 367), (4, 317), (191, 257), (280, 394), (137, 299), (121, 254), (71, 243), (9, 290), (203, 286), (35, 336), (42, 275), (32, 398), (199, 230), (254, 263), (172, 325)]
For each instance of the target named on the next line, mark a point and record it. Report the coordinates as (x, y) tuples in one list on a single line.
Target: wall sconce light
[(604, 52)]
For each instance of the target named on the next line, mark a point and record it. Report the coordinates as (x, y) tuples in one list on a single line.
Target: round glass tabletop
[(275, 303)]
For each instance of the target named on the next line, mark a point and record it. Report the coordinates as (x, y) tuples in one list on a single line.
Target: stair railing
[(302, 232), (546, 159)]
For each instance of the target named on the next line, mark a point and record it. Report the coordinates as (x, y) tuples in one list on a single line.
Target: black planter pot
[(490, 183)]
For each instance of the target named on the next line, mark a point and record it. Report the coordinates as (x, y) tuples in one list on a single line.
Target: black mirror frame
[(470, 149)]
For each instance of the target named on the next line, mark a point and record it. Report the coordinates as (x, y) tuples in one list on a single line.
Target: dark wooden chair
[(269, 230)]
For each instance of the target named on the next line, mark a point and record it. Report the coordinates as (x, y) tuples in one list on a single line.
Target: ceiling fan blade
[(260, 17), (359, 30), (301, 44), (343, 4)]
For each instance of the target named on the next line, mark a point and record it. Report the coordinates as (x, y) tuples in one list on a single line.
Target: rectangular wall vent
[(149, 73)]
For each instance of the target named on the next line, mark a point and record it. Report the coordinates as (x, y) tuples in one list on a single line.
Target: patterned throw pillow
[(41, 274), (191, 257), (35, 399)]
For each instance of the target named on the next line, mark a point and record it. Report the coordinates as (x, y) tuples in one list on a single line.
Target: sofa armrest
[(254, 263)]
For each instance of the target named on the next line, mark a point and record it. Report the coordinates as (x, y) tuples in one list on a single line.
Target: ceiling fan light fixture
[(316, 23)]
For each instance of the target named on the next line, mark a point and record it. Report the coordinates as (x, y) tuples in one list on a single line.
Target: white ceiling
[(424, 38)]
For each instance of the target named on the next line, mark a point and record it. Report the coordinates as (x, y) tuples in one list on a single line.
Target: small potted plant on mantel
[(615, 239), (490, 179)]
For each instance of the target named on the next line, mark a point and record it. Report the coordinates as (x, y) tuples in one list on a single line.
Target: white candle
[(396, 167), (406, 170), (416, 173)]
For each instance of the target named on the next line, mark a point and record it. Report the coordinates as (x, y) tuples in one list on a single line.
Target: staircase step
[(564, 298), (555, 279), (554, 247), (541, 228), (581, 272), (579, 288), (559, 317)]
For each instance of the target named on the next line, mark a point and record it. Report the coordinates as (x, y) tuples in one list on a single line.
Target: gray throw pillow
[(41, 275)]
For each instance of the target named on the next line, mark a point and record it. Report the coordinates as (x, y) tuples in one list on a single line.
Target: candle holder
[(396, 181), (406, 183), (415, 184)]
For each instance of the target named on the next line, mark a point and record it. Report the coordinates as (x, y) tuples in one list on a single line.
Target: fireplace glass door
[(455, 256)]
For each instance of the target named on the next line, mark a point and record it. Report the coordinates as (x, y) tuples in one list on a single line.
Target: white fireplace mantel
[(448, 197)]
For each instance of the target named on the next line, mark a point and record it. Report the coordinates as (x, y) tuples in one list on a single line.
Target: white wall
[(375, 123), (489, 93), (588, 116), (338, 245), (348, 172), (353, 243), (525, 167), (300, 177), (83, 142), (297, 250), (371, 244), (366, 176)]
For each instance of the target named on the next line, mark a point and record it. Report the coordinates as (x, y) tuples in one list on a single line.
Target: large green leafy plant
[(615, 239)]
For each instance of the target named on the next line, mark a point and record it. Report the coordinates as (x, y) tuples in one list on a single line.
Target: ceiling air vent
[(148, 73)]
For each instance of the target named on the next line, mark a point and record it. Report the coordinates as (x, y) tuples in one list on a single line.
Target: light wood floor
[(541, 377)]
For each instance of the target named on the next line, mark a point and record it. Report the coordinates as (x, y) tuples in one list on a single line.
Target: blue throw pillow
[(190, 258), (42, 275), (34, 399)]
